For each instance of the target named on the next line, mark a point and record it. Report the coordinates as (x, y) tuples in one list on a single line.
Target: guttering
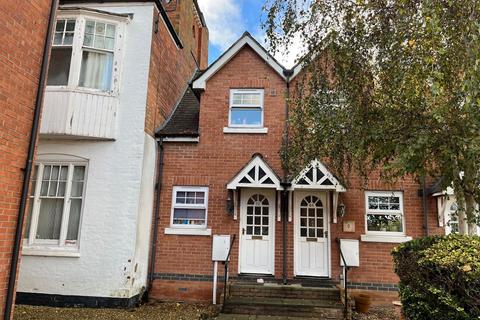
[(156, 217), (29, 162)]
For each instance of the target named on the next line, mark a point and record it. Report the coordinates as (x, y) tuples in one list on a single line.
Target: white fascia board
[(181, 139), (200, 83), (257, 161)]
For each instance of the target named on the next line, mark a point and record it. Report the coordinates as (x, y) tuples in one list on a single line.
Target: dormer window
[(84, 52), (246, 108)]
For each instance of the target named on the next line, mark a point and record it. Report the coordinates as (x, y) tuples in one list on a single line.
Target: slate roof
[(183, 121)]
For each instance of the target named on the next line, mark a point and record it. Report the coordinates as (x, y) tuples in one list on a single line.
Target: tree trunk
[(470, 214)]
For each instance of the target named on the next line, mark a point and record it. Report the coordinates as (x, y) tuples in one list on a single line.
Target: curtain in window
[(50, 219), (96, 71)]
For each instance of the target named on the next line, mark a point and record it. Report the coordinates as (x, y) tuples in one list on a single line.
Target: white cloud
[(286, 56), (224, 21)]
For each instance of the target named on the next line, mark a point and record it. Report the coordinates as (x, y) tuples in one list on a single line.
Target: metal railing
[(345, 276), (225, 277)]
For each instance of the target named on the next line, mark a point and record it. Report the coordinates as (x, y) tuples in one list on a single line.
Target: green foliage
[(439, 277), (389, 84)]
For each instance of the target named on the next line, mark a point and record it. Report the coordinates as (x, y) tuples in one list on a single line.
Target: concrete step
[(269, 290), (303, 308)]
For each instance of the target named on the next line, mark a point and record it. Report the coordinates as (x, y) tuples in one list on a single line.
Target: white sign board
[(351, 252), (221, 246)]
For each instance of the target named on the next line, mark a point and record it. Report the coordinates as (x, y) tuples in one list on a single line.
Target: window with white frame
[(83, 52), (189, 207), (246, 108), (56, 200), (384, 213)]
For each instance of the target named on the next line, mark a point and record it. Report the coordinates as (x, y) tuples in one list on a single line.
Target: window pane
[(50, 219), (96, 70), (90, 27), (189, 216), (60, 26), (59, 67), (74, 219), (110, 31), (78, 173), (68, 38), (246, 116), (384, 222)]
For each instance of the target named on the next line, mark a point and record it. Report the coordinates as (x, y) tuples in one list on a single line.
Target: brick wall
[(23, 26), (170, 67), (218, 157)]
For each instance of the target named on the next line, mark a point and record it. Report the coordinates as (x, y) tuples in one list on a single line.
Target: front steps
[(275, 301)]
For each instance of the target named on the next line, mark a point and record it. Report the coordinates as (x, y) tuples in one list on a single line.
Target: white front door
[(257, 231), (312, 246)]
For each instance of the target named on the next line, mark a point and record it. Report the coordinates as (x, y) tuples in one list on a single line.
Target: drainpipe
[(29, 163), (285, 183), (156, 217), (425, 205)]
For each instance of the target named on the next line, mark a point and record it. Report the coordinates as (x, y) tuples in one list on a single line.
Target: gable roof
[(245, 40), (317, 176), (255, 174), (183, 121)]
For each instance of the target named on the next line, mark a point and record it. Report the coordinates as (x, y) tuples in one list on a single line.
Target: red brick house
[(222, 174), (24, 27)]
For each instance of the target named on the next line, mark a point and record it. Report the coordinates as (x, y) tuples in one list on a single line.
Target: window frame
[(399, 212), (232, 106), (81, 17), (189, 206), (30, 241)]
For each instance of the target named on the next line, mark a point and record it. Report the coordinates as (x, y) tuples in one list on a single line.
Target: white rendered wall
[(116, 218)]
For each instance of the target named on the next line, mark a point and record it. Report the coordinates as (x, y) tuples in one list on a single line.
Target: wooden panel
[(77, 114)]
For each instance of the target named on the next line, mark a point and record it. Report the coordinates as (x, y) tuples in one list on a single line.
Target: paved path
[(254, 317)]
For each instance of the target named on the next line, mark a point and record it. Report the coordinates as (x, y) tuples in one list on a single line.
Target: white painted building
[(87, 238)]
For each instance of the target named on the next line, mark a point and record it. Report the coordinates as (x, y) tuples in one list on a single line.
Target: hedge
[(439, 277)]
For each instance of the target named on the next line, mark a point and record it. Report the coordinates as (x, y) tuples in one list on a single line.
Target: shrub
[(439, 277)]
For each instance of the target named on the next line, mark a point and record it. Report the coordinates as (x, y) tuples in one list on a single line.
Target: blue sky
[(228, 19)]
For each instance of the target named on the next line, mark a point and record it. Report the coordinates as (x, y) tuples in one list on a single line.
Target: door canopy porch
[(256, 174), (316, 176)]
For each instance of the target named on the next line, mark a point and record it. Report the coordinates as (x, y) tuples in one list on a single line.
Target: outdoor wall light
[(341, 209), (229, 202)]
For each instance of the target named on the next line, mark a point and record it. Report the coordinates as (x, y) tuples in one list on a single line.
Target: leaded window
[(312, 218), (258, 217)]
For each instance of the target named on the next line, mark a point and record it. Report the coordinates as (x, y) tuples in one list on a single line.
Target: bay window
[(84, 53), (56, 199)]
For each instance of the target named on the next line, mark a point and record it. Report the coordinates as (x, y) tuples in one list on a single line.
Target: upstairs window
[(384, 213), (189, 209), (61, 56), (246, 108), (83, 54), (97, 55)]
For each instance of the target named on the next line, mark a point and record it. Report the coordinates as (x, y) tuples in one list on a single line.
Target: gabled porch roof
[(255, 174), (317, 176)]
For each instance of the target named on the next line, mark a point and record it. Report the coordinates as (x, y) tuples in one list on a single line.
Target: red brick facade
[(184, 266), (23, 28), (171, 67)]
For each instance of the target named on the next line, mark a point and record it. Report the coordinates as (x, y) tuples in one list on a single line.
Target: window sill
[(188, 232), (50, 252), (244, 130), (384, 238)]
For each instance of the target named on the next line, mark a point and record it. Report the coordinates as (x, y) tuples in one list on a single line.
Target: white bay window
[(56, 199), (84, 51)]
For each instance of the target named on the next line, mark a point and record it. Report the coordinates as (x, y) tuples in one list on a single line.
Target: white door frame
[(245, 194), (298, 195)]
